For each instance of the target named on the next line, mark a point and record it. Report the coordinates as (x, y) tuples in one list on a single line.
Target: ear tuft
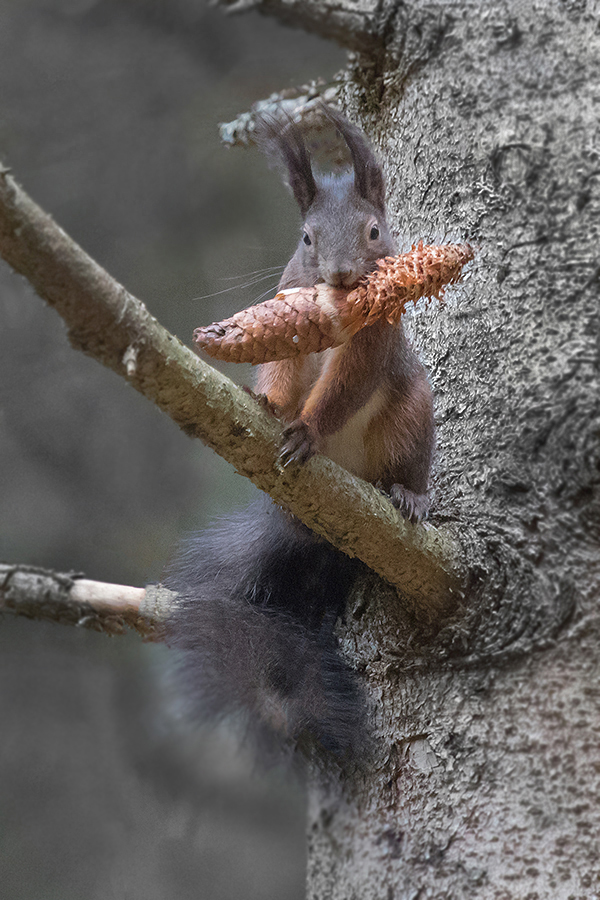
[(283, 143), (368, 176)]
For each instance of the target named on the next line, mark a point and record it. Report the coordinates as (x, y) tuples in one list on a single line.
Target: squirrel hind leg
[(413, 507)]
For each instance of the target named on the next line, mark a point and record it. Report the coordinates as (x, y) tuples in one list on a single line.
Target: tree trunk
[(485, 780), (485, 770)]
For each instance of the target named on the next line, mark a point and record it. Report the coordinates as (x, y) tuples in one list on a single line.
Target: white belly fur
[(347, 446)]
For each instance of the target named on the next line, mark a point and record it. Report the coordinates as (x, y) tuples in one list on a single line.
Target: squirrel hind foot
[(413, 507)]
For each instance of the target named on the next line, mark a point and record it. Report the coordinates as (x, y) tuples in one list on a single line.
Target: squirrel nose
[(342, 278)]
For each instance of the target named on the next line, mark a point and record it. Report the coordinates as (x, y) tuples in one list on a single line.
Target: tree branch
[(303, 103), (69, 599), (359, 25), (108, 323)]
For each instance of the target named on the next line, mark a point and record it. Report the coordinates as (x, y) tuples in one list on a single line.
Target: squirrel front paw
[(413, 507), (299, 444)]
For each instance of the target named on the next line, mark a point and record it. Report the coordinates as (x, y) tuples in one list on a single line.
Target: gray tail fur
[(259, 596)]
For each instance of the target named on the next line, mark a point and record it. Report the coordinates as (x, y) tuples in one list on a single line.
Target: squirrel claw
[(298, 444), (413, 507)]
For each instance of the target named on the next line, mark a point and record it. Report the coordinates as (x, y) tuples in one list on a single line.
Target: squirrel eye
[(306, 239), (374, 233)]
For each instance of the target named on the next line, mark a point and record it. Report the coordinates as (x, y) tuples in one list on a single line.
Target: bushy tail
[(259, 596)]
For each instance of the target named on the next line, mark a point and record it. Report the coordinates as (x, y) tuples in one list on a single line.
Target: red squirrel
[(260, 594)]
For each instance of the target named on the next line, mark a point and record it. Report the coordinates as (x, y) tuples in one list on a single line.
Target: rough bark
[(486, 778)]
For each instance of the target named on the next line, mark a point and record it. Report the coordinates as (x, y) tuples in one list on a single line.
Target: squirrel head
[(345, 228)]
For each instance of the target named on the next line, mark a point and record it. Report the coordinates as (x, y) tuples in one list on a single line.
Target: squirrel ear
[(368, 176), (283, 143)]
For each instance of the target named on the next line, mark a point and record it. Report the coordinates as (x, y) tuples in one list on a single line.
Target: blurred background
[(109, 113)]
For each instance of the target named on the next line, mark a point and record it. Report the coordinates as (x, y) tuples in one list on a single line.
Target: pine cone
[(307, 320)]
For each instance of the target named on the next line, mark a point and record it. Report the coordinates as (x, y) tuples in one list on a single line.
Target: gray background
[(108, 117)]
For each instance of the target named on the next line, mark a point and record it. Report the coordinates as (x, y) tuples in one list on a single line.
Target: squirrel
[(259, 595)]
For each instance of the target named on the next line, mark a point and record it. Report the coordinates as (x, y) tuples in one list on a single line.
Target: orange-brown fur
[(371, 394)]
